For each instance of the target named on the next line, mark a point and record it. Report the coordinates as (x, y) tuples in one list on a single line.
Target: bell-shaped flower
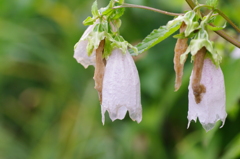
[(80, 50), (121, 87), (211, 106)]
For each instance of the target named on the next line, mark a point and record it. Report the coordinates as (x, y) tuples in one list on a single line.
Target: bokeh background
[(50, 110)]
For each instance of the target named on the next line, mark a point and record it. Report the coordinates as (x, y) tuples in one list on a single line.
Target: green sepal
[(117, 13), (94, 10), (156, 36), (216, 28), (120, 1), (190, 19), (201, 40), (111, 13), (101, 27), (120, 43), (212, 3), (212, 18), (182, 35), (108, 10), (89, 21), (107, 48), (179, 36), (95, 37), (115, 25)]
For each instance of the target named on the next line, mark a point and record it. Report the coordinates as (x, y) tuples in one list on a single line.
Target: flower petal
[(80, 50), (212, 106), (121, 87)]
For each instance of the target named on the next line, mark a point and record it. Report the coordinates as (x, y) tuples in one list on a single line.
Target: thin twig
[(125, 5), (221, 33)]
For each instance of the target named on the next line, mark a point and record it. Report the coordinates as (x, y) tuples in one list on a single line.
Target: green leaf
[(212, 3), (216, 28), (121, 1), (182, 35), (94, 38), (108, 10), (114, 26), (200, 41), (190, 19), (119, 42), (89, 21), (156, 36), (95, 12), (117, 13), (107, 48)]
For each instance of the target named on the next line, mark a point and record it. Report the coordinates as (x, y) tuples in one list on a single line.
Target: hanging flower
[(209, 105), (121, 87), (80, 50), (116, 79)]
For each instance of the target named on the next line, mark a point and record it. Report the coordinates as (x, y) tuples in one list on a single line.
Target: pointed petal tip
[(188, 124), (177, 85), (189, 121), (208, 126), (176, 89)]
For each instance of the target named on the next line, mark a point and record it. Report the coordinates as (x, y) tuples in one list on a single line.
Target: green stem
[(228, 20), (201, 6), (221, 33), (126, 5)]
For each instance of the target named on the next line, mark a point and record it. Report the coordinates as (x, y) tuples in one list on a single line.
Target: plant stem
[(220, 13), (221, 33), (228, 20), (125, 5)]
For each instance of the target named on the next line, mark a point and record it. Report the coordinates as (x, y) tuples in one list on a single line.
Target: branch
[(220, 13), (125, 5), (221, 33)]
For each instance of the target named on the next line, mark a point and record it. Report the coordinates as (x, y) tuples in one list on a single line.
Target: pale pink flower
[(121, 87), (212, 105), (80, 50)]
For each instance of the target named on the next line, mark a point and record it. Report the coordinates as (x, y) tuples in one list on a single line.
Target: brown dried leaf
[(180, 47), (198, 88), (99, 70)]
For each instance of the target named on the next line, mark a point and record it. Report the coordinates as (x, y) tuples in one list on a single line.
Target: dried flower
[(99, 69), (121, 87), (211, 107), (197, 87), (180, 47)]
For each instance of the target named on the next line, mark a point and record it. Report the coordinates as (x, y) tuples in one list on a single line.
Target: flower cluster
[(206, 95), (116, 76)]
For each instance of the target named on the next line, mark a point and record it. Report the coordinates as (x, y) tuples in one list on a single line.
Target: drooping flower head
[(121, 87), (206, 88), (116, 76), (211, 108), (80, 50)]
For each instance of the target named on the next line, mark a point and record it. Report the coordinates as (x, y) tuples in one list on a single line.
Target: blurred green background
[(50, 110)]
